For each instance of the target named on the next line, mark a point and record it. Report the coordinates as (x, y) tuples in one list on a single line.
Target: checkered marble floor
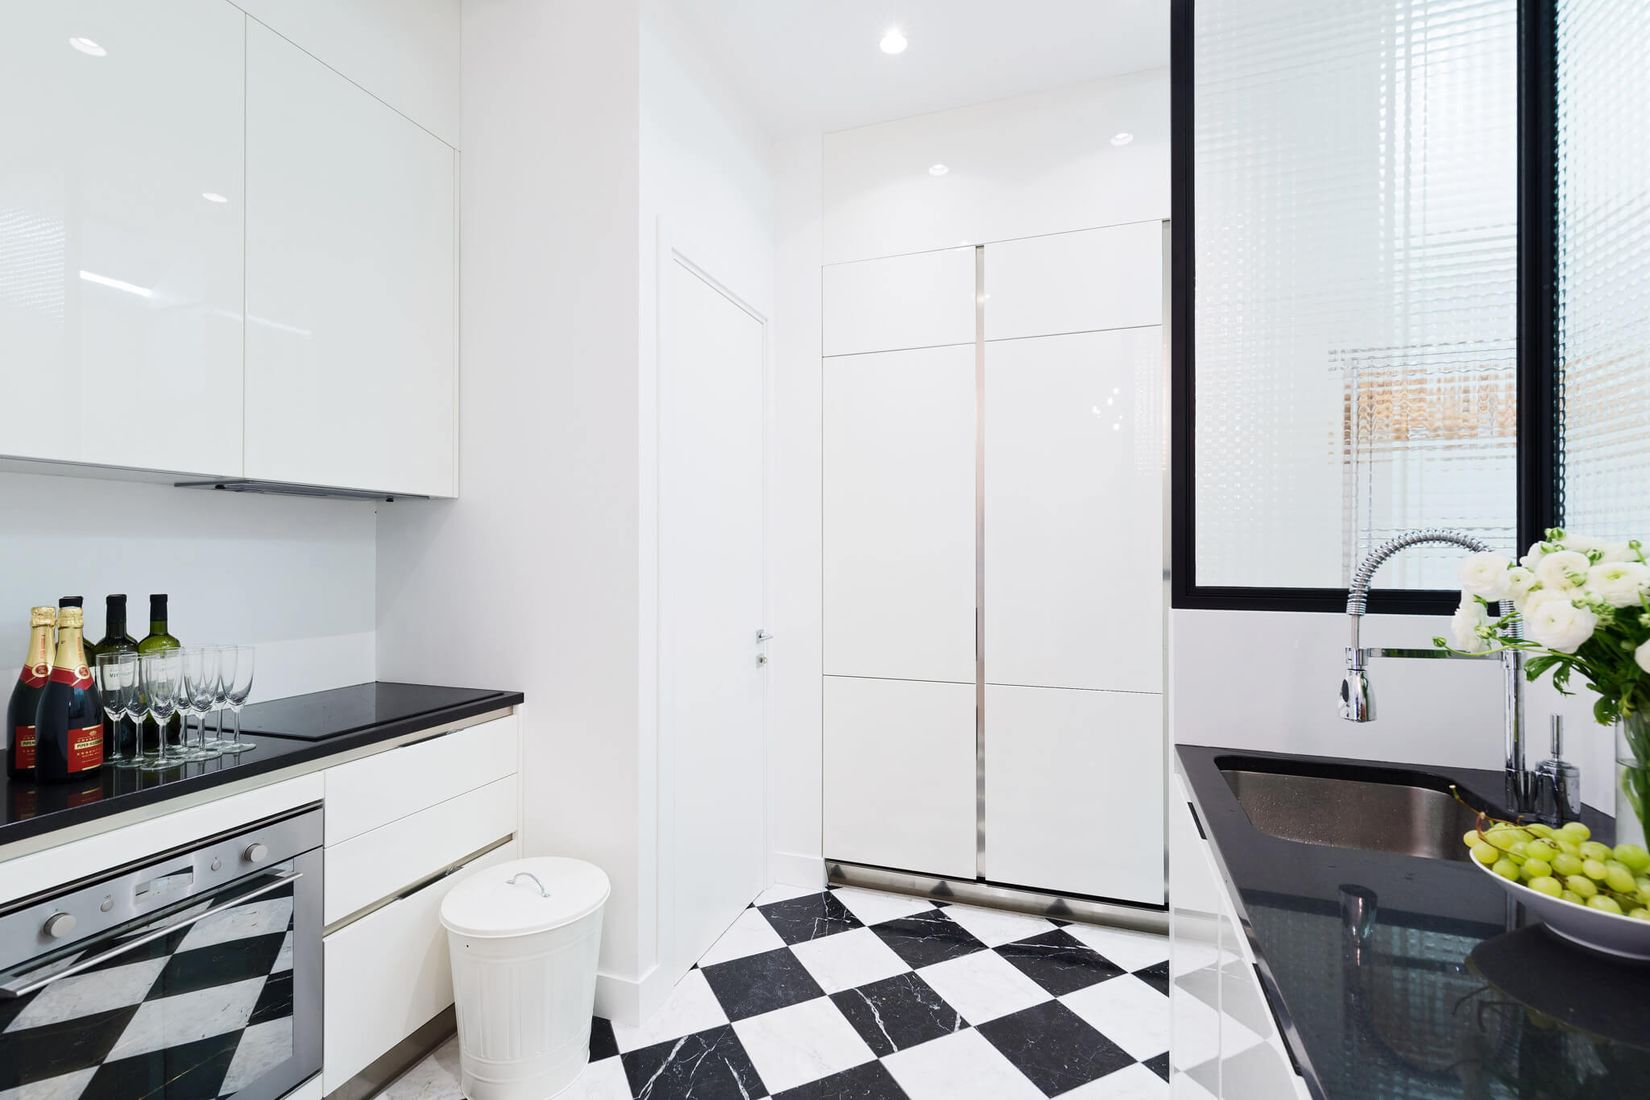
[(856, 995)]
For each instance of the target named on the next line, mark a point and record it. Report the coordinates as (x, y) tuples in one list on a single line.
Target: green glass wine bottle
[(155, 641), (117, 735)]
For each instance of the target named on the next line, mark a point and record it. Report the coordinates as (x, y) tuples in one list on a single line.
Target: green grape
[(1539, 829), (1576, 831), (1470, 837), (1604, 902), (1573, 898), (1635, 857), (1592, 849), (1506, 868), (1593, 869), (1543, 849), (1643, 882), (1567, 864), (1618, 878), (1535, 868), (1548, 885), (1640, 914), (1485, 854), (1568, 846), (1582, 885), (1504, 839)]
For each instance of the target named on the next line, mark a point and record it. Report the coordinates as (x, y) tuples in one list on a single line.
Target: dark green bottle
[(157, 640), (116, 735)]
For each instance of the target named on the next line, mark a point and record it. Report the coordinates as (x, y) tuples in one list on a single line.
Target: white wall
[(292, 577)]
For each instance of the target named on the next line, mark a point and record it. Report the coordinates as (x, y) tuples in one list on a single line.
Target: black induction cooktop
[(323, 714)]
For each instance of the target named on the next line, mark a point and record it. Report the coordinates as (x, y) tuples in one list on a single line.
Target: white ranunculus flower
[(1583, 544), (1618, 551), (1464, 624), (1538, 550), (1642, 656), (1485, 575), (1618, 584), (1563, 569), (1519, 582), (1558, 624)]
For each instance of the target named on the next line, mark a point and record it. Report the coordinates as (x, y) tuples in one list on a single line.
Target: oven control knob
[(60, 925), (256, 853)]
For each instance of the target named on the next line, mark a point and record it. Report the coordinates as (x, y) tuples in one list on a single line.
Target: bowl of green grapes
[(1585, 891)]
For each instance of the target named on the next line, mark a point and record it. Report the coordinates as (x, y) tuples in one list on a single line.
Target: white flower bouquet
[(1577, 606)]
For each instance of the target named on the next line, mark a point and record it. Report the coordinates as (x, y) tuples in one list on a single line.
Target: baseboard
[(631, 1000), (797, 869)]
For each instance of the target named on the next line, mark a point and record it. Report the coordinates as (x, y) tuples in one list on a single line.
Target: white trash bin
[(524, 939)]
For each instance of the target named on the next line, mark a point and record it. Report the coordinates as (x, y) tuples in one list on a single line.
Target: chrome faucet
[(1357, 701)]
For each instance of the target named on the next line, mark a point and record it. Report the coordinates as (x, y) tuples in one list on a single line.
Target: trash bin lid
[(488, 904)]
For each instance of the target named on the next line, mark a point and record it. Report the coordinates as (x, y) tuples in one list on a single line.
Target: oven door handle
[(17, 987)]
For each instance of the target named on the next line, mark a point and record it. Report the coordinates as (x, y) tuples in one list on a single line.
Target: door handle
[(763, 636)]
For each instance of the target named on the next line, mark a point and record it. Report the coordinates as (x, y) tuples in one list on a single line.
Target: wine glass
[(200, 686), (220, 694), (162, 675), (238, 682), (117, 676)]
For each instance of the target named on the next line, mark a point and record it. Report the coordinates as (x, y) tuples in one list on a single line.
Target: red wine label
[(23, 739), (75, 677), (36, 675), (85, 748)]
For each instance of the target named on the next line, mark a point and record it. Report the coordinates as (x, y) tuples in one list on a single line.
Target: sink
[(1367, 808)]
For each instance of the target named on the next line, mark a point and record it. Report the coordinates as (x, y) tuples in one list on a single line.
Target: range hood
[(289, 489)]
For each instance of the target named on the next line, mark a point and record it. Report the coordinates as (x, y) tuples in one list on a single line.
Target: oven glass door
[(220, 998)]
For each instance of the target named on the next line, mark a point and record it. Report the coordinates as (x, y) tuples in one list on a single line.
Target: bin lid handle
[(512, 881)]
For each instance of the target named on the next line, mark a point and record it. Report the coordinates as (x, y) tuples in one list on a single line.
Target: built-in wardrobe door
[(918, 301), (899, 785), (899, 568), (120, 233), (1074, 791), (1075, 282), (1074, 510)]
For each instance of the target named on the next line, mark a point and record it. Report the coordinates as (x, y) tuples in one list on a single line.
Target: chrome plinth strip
[(383, 1070), (979, 561)]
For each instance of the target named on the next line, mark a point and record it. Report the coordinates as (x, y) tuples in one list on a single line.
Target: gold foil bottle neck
[(42, 616), (72, 617)]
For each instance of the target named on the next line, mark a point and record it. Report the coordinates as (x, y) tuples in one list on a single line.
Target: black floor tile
[(761, 983), (798, 920), (602, 1043), (1156, 976), (924, 939), (1051, 1044), (896, 1013), (1159, 1065), (871, 1081), (707, 1065), (1059, 962)]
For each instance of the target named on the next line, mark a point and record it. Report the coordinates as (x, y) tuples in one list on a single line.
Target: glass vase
[(1632, 775)]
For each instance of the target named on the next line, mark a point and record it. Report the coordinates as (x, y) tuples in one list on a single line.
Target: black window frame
[(1538, 478)]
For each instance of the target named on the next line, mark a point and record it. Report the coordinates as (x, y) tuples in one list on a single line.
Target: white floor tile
[(874, 906), (67, 1087), (85, 994), (782, 892), (961, 1066), (751, 934), (174, 1021), (604, 1080), (434, 1078), (849, 959), (690, 1007), (983, 986), (1134, 1082), (802, 1043), (993, 927), (1130, 950), (1128, 1012)]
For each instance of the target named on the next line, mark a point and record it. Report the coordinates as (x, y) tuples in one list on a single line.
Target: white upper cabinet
[(351, 283), (919, 301), (1075, 282), (120, 233), (404, 53)]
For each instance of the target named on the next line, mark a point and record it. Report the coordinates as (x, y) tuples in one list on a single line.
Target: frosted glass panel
[(1356, 190), (1604, 265)]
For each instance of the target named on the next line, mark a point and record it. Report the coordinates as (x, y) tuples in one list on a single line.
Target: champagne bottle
[(68, 723), (25, 697), (154, 642), (115, 640)]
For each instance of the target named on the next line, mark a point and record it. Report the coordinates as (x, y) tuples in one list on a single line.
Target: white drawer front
[(387, 975), (376, 864), (367, 793)]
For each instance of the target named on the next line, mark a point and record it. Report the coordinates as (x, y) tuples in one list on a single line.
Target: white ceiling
[(804, 66)]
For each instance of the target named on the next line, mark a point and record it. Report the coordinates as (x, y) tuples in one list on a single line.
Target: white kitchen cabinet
[(899, 775), (405, 54), (1074, 511), (1074, 791), (351, 283), (1075, 282), (899, 515), (120, 233), (918, 301)]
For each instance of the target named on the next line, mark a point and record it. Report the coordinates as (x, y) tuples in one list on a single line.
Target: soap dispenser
[(1557, 782)]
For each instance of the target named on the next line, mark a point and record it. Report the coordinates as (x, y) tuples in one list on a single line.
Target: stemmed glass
[(162, 675), (117, 677), (200, 686), (237, 680), (220, 694)]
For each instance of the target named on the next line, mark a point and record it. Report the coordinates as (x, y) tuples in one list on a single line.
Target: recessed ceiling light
[(213, 196), (1122, 137), (87, 46), (893, 41), (938, 169)]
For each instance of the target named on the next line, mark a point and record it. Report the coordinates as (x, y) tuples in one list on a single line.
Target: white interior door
[(711, 605)]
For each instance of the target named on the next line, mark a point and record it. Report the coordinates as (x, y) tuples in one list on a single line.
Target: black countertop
[(1452, 996), (287, 732)]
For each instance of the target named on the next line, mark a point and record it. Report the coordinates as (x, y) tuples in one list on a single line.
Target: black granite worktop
[(1456, 992), (302, 729)]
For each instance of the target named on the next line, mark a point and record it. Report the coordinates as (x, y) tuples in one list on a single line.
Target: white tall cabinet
[(993, 529)]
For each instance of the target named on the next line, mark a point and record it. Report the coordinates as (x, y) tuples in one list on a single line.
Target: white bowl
[(1593, 929)]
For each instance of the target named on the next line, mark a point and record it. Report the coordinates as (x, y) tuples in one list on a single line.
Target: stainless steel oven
[(195, 976)]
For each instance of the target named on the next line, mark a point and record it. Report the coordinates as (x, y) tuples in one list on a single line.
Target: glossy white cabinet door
[(1194, 955), (899, 775), (404, 53), (1074, 791), (120, 282), (918, 301), (1075, 282), (351, 273), (1074, 511), (899, 515)]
